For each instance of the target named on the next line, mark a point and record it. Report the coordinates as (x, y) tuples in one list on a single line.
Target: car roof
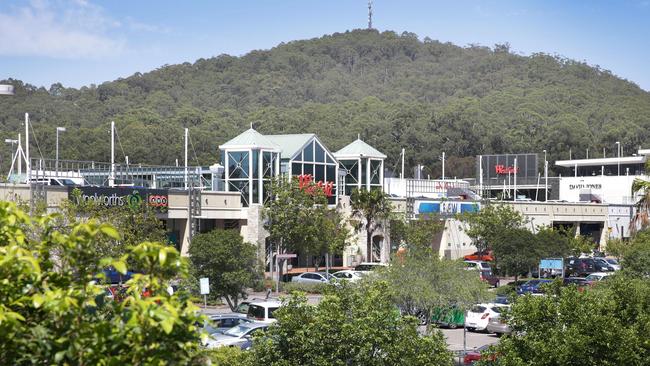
[(600, 274), (227, 315), (255, 325), (267, 303)]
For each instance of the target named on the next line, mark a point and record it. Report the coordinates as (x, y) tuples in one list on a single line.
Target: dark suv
[(582, 267)]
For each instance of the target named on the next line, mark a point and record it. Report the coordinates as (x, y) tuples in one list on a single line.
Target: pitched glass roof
[(292, 144)]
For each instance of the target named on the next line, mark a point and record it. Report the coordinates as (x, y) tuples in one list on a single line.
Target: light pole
[(545, 178), (58, 129), (618, 151)]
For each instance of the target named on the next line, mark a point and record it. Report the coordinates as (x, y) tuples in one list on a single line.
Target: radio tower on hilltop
[(369, 14)]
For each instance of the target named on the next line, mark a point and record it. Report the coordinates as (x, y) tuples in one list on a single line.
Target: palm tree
[(641, 218), (372, 208)]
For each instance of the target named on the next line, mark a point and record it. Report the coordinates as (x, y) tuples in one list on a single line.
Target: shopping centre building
[(231, 194)]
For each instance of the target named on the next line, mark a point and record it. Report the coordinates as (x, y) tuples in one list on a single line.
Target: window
[(308, 152)]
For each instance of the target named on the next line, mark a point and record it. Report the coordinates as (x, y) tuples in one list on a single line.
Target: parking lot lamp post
[(56, 162)]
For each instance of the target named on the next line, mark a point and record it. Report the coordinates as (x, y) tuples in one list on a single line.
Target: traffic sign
[(205, 285), (286, 256)]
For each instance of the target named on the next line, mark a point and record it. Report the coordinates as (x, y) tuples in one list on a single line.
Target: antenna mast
[(369, 14)]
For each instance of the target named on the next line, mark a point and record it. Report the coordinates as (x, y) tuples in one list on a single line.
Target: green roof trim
[(358, 148), (290, 144)]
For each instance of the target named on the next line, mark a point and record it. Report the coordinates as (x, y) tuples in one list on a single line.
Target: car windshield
[(593, 277), (612, 261), (498, 309), (237, 331)]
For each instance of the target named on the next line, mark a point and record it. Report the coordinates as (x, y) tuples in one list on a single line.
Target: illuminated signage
[(446, 208), (118, 197), (305, 183), (502, 169)]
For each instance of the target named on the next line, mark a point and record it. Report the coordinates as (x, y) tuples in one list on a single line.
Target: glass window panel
[(256, 164), (238, 164), (319, 173), (363, 172), (242, 187), (320, 153), (267, 165), (296, 169), (375, 171), (329, 160), (308, 152), (308, 169), (331, 173)]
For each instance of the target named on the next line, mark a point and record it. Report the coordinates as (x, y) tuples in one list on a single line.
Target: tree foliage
[(394, 89), (606, 325), (52, 311), (227, 261), (372, 209), (349, 327)]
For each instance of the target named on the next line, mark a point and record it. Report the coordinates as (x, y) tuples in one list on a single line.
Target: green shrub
[(227, 356)]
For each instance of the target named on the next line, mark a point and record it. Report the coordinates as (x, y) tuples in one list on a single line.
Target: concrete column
[(184, 236)]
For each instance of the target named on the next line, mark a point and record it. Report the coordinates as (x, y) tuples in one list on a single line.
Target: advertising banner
[(497, 168), (119, 197), (445, 208)]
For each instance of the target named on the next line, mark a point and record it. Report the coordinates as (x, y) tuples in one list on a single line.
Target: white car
[(478, 317), (348, 275), (235, 336), (597, 276), (262, 312), (313, 277), (480, 265), (613, 262)]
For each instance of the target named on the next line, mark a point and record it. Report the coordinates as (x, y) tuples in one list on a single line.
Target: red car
[(480, 256), (474, 356)]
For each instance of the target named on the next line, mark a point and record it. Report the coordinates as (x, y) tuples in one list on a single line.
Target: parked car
[(489, 277), (575, 281), (474, 356), (348, 275), (582, 267), (596, 277), (532, 287), (450, 316), (369, 266), (236, 336), (478, 317), (312, 277), (498, 326), (604, 264), (219, 323), (480, 265), (480, 256), (613, 262), (263, 311)]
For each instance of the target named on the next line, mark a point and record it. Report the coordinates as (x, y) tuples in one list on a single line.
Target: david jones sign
[(116, 197), (586, 186)]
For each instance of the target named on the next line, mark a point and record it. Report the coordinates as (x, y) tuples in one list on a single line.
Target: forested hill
[(395, 90)]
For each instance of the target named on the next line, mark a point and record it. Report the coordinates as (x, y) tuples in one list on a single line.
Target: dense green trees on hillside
[(395, 90)]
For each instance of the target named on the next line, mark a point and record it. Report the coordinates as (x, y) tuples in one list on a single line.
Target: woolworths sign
[(120, 197)]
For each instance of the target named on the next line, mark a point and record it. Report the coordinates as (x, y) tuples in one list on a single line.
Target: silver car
[(236, 336), (313, 277), (219, 323), (498, 326)]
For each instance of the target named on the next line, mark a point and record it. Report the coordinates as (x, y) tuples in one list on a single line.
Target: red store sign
[(502, 169)]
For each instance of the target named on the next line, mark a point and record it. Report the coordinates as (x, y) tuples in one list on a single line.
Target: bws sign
[(446, 208), (119, 197)]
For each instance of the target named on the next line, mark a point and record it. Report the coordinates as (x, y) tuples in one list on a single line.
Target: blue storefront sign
[(445, 208)]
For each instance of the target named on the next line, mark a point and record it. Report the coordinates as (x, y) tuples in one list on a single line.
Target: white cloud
[(60, 29)]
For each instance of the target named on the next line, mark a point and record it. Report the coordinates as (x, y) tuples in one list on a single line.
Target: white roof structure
[(601, 161), (250, 139), (357, 149)]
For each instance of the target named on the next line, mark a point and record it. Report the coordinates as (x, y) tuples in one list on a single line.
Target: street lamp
[(58, 129), (545, 178), (618, 151)]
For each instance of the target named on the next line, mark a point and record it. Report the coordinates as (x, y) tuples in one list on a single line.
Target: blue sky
[(79, 42)]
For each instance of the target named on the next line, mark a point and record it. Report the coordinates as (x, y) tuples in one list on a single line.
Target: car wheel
[(423, 318), (471, 329), (453, 325)]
